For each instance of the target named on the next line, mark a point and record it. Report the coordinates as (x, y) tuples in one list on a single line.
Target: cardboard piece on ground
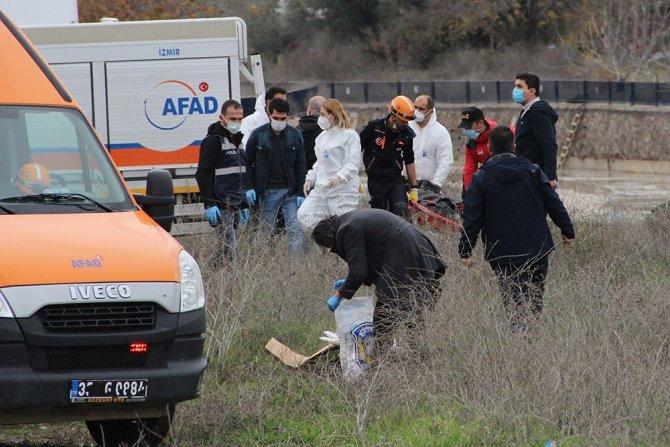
[(291, 358)]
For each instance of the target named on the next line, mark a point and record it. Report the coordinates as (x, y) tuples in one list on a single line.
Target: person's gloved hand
[(339, 283), (333, 302), (244, 216), (335, 181), (299, 200), (307, 187), (413, 195), (212, 214), (251, 197), (330, 337)]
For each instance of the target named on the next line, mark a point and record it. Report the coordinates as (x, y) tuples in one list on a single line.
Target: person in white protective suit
[(260, 116), (331, 186), (433, 151)]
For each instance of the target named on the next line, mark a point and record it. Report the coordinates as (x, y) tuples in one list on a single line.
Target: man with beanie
[(507, 202), (385, 250)]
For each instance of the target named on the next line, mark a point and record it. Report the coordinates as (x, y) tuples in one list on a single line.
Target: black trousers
[(522, 288), (402, 307), (390, 194)]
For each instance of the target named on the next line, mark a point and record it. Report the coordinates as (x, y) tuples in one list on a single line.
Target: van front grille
[(98, 317), (78, 358)]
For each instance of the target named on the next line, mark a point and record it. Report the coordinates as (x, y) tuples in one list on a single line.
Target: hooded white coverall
[(338, 153), (255, 120), (433, 152)]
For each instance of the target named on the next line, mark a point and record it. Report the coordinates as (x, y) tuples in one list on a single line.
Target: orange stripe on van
[(146, 157)]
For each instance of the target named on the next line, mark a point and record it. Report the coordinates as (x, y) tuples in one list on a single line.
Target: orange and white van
[(101, 311)]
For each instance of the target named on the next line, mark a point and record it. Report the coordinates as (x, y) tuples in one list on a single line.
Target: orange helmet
[(32, 178), (402, 107)]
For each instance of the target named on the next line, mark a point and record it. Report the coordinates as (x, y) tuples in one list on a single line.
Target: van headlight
[(192, 290), (5, 310)]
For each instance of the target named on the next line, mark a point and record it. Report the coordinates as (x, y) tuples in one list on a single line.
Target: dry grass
[(595, 370)]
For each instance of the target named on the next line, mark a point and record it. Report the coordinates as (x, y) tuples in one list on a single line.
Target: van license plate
[(112, 391)]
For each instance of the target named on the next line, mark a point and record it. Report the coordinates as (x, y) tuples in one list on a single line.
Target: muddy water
[(602, 193)]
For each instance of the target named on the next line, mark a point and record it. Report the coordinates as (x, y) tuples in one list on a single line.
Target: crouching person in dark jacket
[(383, 249), (508, 201), (220, 178)]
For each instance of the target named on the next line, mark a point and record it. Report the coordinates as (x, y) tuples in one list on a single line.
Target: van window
[(53, 151)]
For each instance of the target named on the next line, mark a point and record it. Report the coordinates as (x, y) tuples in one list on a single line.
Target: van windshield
[(50, 162)]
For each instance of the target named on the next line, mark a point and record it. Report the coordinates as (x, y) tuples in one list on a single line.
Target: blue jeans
[(225, 232), (270, 203)]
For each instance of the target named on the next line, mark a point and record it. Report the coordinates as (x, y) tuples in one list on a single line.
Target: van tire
[(148, 432)]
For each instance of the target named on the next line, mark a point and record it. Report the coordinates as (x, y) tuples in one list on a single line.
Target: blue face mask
[(517, 95), (471, 134)]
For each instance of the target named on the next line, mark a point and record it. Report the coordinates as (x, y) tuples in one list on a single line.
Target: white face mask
[(233, 127), (278, 126), (419, 116), (323, 123)]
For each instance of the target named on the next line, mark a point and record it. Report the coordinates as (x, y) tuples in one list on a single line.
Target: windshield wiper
[(6, 210), (57, 197)]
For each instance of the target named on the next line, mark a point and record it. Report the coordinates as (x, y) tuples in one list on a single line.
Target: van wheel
[(131, 432)]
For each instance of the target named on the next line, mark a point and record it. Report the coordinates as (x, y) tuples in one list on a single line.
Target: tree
[(628, 39)]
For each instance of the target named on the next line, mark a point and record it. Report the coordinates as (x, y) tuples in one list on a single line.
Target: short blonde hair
[(335, 108)]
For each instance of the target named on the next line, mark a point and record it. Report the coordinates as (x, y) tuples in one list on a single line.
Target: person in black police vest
[(220, 176)]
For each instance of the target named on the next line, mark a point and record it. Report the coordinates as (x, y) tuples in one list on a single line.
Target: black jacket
[(536, 137), (379, 246), (221, 169), (259, 151), (508, 200), (310, 130), (385, 152)]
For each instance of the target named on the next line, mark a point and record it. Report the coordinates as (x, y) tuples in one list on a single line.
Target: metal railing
[(468, 92)]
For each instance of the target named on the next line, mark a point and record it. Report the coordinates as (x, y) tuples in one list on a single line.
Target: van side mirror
[(159, 201)]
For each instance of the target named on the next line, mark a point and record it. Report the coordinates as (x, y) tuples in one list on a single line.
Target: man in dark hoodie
[(508, 201), (389, 252), (536, 126), (220, 178), (310, 129)]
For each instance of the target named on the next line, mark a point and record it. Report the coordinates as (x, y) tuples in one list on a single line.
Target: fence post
[(332, 90), (467, 92), (585, 92), (557, 91), (498, 91), (656, 93), (632, 93), (399, 87), (366, 93), (432, 90)]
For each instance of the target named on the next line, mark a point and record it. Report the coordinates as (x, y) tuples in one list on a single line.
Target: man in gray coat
[(383, 249)]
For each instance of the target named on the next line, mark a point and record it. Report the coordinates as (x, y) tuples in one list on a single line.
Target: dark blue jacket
[(259, 151), (536, 137), (221, 168), (508, 201)]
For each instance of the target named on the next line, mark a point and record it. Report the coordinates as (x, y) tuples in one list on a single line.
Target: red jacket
[(475, 157)]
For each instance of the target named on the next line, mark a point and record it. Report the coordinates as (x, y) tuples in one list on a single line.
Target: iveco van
[(101, 311)]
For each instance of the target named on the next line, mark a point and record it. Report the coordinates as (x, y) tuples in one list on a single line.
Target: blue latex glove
[(251, 197), (339, 283), (212, 214), (299, 200), (244, 216), (333, 302)]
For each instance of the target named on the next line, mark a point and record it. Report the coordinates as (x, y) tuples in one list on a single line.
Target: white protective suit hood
[(255, 120), (433, 151)]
